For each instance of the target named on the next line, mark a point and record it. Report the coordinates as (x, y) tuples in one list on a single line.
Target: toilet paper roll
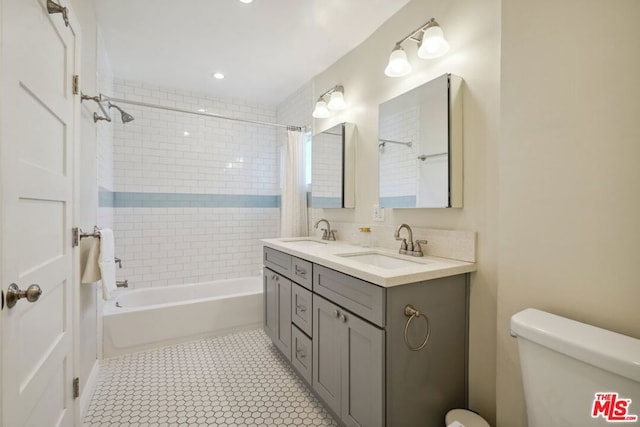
[(455, 424)]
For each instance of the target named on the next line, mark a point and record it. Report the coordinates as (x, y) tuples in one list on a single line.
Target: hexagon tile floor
[(233, 380)]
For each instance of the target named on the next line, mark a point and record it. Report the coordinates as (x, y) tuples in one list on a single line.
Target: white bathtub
[(154, 317)]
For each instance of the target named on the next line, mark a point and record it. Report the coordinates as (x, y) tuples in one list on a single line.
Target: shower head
[(126, 117)]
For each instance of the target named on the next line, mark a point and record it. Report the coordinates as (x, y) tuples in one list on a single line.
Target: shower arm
[(98, 100)]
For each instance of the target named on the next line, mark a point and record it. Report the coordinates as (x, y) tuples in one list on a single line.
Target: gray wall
[(569, 177)]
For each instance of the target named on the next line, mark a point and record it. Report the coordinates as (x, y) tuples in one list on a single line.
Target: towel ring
[(412, 313)]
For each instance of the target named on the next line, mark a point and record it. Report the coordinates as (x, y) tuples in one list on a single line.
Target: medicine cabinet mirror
[(332, 167), (420, 146)]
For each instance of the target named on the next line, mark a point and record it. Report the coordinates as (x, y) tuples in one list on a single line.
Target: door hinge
[(76, 84), (75, 237), (76, 387)]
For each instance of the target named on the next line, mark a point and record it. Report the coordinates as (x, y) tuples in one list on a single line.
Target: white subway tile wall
[(104, 132), (296, 109), (193, 195)]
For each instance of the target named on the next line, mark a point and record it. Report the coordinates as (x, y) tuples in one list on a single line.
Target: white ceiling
[(266, 49)]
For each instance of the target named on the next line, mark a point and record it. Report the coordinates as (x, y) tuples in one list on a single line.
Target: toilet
[(576, 374), (464, 418)]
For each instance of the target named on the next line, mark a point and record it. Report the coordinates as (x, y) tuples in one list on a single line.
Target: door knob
[(14, 293)]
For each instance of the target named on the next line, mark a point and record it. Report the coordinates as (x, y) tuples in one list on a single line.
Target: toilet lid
[(466, 418)]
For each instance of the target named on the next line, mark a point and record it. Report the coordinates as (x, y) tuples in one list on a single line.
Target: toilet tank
[(576, 374)]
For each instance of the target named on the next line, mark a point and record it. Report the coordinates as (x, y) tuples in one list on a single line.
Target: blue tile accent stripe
[(398, 202), (326, 202), (189, 200), (106, 198)]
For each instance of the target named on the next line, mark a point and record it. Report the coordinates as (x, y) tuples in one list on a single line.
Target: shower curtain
[(293, 202)]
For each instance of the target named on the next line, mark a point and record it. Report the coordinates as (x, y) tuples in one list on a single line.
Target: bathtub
[(142, 319)]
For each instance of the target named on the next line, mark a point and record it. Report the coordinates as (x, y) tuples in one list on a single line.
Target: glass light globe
[(433, 43), (321, 111), (336, 102), (398, 64)]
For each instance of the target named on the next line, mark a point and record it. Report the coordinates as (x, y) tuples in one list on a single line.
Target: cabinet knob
[(336, 313), (344, 318)]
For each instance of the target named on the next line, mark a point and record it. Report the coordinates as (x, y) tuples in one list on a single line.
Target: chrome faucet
[(408, 247), (327, 233), (404, 246)]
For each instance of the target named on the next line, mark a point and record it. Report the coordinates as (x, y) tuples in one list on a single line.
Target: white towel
[(91, 272), (107, 262)]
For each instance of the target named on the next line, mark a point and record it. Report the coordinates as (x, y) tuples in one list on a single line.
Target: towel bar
[(96, 233), (79, 234)]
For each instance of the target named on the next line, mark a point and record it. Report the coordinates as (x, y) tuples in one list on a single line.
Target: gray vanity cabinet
[(354, 343), (277, 310), (348, 369)]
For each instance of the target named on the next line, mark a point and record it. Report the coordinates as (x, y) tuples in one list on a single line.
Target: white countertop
[(327, 254)]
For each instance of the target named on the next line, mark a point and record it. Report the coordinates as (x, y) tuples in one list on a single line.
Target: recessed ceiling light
[(186, 133), (218, 75)]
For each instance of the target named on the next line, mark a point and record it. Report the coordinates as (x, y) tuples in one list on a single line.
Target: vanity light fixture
[(336, 102), (431, 44)]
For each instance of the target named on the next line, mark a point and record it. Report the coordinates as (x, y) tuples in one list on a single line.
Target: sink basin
[(381, 260), (306, 241)]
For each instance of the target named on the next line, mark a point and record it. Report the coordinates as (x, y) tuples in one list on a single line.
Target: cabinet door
[(328, 336), (270, 304), (283, 333), (362, 361)]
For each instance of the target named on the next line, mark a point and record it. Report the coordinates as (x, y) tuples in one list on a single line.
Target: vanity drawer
[(362, 298), (301, 353), (302, 272), (301, 311), (277, 261)]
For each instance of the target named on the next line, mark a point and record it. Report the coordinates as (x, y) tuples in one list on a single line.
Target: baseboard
[(88, 389)]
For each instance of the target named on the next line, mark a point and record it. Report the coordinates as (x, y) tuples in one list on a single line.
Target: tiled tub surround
[(192, 195)]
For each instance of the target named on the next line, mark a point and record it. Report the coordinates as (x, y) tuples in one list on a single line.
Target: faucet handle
[(325, 234), (332, 234), (418, 248), (403, 245)]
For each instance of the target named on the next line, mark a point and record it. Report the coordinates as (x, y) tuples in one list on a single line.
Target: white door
[(37, 131)]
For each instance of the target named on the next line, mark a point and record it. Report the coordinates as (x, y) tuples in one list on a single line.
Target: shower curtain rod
[(198, 113)]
